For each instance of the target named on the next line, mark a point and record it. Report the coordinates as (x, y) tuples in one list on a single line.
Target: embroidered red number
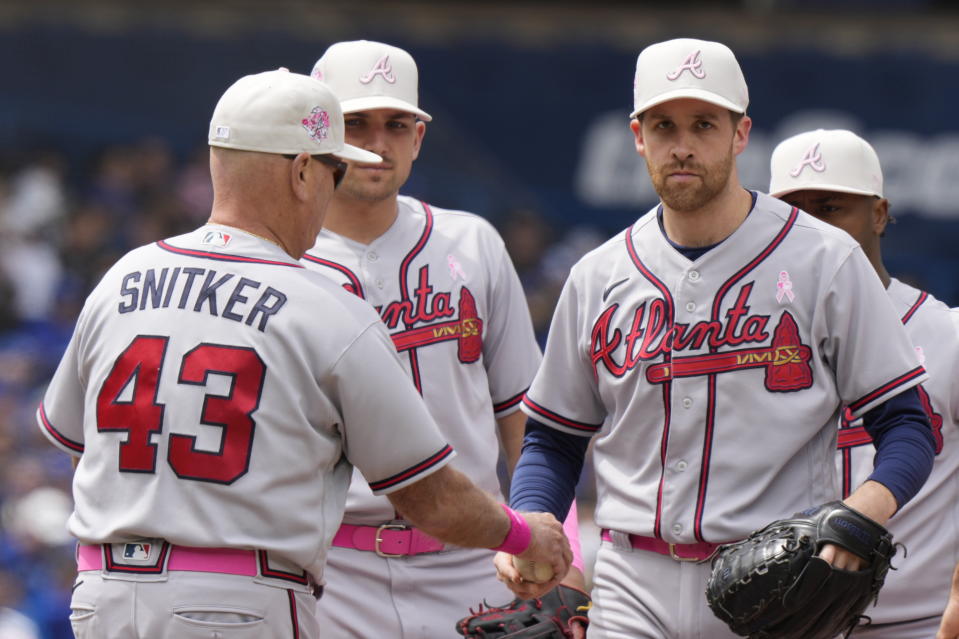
[(230, 412), (140, 415), (127, 402)]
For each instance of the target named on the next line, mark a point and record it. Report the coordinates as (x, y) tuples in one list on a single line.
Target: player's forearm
[(512, 427), (873, 500), (448, 506)]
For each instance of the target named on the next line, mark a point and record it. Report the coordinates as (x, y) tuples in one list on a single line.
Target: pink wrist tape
[(571, 528), (519, 535)]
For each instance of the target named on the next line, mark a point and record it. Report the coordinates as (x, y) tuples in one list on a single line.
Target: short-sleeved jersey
[(450, 298), (928, 525), (712, 387), (218, 394)]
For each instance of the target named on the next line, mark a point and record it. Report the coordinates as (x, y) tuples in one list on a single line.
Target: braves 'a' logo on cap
[(317, 124), (811, 158), (382, 68), (693, 63)]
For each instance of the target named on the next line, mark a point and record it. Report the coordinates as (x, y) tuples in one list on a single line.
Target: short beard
[(686, 198)]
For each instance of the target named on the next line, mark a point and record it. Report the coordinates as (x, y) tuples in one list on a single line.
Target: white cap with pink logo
[(825, 160), (687, 68), (285, 113), (371, 75)]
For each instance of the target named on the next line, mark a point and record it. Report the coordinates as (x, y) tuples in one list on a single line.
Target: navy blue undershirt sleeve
[(905, 446), (548, 470)]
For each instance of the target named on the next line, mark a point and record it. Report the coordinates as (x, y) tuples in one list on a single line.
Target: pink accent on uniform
[(811, 158), (317, 124), (317, 75), (230, 561), (921, 355), (693, 63), (456, 269), (519, 535), (784, 287), (571, 528), (383, 68)]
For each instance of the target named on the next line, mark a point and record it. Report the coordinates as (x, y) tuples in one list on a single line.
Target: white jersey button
[(379, 283), (681, 465), (677, 528), (687, 402), (371, 256), (690, 306), (694, 276)]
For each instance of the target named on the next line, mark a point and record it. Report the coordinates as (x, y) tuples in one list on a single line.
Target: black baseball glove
[(772, 584), (546, 617)]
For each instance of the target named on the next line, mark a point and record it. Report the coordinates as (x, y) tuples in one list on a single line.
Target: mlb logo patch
[(216, 238), (136, 551)]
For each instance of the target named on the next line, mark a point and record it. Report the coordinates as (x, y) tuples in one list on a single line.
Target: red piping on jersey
[(711, 382), (509, 403), (847, 471), (667, 386), (350, 275), (293, 616), (404, 289), (68, 443), (923, 296), (402, 476), (559, 419), (155, 569), (223, 257), (886, 388), (266, 571)]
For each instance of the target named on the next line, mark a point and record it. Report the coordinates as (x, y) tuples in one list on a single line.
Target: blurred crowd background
[(104, 107)]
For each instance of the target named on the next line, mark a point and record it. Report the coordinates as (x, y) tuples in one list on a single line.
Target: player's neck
[(359, 220), (710, 224)]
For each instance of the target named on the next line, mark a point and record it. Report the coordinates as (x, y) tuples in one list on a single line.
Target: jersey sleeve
[(60, 414), (874, 359), (564, 393), (388, 433), (510, 351)]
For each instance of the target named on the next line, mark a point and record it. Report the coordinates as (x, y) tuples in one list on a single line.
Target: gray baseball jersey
[(448, 293), (219, 395), (713, 386), (928, 525)]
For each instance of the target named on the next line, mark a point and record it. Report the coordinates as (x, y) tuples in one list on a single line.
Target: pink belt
[(680, 552), (388, 540), (151, 558)]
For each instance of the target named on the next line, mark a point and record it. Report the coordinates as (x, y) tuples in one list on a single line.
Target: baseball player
[(836, 177), (450, 298), (217, 396), (706, 351)]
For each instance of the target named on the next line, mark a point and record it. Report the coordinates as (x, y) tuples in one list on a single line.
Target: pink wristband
[(519, 535)]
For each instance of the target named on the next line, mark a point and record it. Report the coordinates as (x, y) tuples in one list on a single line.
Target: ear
[(418, 142), (300, 169), (637, 128), (880, 215), (741, 136)]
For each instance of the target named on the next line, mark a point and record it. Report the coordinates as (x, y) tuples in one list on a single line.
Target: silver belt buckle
[(379, 539)]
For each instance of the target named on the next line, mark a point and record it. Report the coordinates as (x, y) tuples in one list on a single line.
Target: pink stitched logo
[(383, 68), (693, 63), (317, 124), (811, 158), (784, 287), (317, 75), (456, 269), (921, 355)]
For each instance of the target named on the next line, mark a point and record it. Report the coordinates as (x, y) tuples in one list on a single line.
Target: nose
[(682, 146)]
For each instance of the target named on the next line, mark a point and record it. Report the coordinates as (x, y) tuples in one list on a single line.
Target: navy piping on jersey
[(65, 441), (336, 266), (559, 419), (294, 618), (667, 386), (509, 403), (711, 380), (223, 257), (923, 296), (412, 471), (404, 288), (886, 388)]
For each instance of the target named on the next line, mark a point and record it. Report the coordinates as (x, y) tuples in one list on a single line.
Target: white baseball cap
[(282, 112), (833, 160), (370, 75), (687, 68)]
